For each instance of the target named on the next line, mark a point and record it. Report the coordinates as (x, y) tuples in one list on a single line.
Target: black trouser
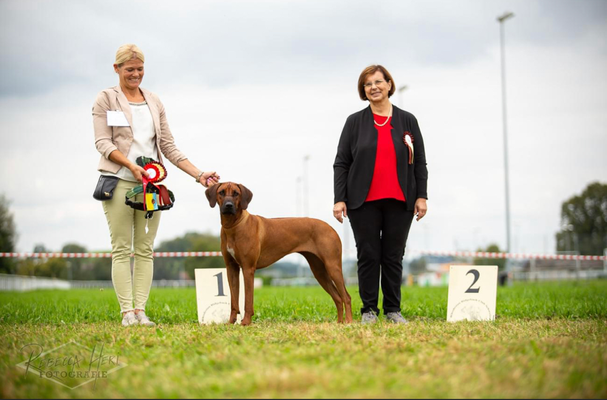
[(380, 229)]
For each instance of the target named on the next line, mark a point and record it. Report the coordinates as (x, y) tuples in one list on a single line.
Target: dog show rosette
[(155, 197)]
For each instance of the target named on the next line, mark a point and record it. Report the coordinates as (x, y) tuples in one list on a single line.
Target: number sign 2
[(213, 296), (476, 276), (472, 293)]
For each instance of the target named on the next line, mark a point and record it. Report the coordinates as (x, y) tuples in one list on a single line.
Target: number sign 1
[(213, 296), (472, 293)]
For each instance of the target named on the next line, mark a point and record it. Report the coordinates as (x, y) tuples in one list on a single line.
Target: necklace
[(386, 121)]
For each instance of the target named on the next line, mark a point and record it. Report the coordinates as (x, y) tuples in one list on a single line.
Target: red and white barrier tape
[(518, 256), (109, 255)]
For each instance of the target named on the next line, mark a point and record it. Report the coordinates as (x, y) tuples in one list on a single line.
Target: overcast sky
[(253, 87)]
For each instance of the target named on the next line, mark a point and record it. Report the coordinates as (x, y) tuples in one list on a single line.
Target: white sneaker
[(396, 317), (143, 319), (369, 318), (129, 319)]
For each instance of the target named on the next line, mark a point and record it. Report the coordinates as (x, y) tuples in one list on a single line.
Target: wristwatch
[(198, 177)]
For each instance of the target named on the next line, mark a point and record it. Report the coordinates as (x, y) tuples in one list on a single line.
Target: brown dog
[(253, 242)]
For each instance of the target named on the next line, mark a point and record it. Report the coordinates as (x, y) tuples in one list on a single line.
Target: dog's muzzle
[(228, 208)]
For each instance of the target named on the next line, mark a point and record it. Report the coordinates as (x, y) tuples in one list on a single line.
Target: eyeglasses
[(376, 83)]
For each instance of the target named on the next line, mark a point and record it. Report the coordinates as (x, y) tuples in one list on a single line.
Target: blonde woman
[(130, 122)]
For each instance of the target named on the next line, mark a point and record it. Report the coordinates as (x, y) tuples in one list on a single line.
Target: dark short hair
[(370, 70)]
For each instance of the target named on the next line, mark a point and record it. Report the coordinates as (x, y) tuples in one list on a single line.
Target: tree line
[(101, 268), (583, 230)]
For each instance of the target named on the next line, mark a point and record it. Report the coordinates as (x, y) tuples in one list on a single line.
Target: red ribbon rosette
[(156, 171), (408, 141)]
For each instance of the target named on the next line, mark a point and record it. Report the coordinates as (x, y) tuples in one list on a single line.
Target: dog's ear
[(212, 194), (247, 195)]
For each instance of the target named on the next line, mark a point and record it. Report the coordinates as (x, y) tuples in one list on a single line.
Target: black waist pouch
[(105, 187)]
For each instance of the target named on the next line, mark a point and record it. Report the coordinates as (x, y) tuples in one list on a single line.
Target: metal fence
[(160, 283), (21, 283), (541, 267), (558, 275)]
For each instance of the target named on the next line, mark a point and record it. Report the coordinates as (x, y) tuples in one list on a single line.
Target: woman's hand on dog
[(208, 179)]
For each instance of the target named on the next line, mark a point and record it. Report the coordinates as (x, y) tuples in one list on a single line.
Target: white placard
[(116, 118), (213, 296), (472, 293)]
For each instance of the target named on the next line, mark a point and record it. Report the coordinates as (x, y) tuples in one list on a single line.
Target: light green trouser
[(128, 235)]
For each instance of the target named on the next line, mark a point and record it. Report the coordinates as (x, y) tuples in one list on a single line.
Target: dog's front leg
[(248, 273), (233, 270)]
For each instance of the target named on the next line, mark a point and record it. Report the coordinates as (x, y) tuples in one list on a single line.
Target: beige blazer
[(110, 138)]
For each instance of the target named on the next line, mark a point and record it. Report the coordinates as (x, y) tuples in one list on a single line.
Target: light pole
[(572, 234), (300, 270), (400, 95), (501, 20)]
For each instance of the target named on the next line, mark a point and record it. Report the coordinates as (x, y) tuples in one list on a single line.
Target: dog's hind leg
[(338, 282), (320, 273)]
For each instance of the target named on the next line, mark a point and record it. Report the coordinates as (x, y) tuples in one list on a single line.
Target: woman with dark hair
[(380, 182)]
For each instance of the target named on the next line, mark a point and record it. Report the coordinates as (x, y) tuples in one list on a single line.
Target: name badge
[(116, 118)]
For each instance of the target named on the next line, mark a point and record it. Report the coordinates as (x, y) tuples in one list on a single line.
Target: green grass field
[(549, 340)]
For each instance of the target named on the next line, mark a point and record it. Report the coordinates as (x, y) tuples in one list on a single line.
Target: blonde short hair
[(128, 52)]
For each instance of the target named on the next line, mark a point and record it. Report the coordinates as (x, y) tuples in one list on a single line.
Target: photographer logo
[(71, 365)]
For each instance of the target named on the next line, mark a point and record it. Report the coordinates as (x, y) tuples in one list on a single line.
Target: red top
[(385, 179)]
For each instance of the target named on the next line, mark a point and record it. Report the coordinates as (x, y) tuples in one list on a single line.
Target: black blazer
[(356, 152)]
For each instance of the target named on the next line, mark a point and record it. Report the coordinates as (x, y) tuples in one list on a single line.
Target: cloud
[(224, 43), (250, 89)]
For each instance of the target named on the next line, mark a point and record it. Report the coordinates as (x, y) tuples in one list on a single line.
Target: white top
[(144, 138)]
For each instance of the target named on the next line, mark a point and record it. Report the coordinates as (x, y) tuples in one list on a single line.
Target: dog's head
[(231, 197)]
